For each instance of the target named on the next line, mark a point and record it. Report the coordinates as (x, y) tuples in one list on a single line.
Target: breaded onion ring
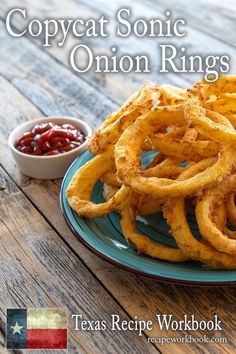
[(108, 134), (206, 90), (171, 95), (199, 250), (144, 205), (148, 205), (168, 168), (211, 124), (204, 209), (183, 149), (81, 186), (143, 243), (220, 219), (231, 209), (128, 150)]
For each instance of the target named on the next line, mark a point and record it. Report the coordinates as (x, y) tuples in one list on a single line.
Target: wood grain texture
[(139, 296), (110, 85), (113, 84), (46, 82), (40, 270), (214, 17)]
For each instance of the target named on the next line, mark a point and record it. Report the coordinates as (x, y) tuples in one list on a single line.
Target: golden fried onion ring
[(108, 134), (143, 243), (208, 90), (199, 250), (231, 209), (184, 150), (219, 217), (128, 149), (204, 209), (144, 205), (81, 186), (210, 124)]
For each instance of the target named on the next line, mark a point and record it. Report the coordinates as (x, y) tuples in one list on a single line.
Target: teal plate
[(103, 236)]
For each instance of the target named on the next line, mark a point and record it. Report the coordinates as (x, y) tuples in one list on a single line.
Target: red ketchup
[(48, 139)]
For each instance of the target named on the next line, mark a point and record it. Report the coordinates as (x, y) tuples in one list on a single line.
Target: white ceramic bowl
[(47, 167)]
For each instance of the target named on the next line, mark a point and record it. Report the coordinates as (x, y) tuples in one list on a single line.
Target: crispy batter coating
[(195, 126)]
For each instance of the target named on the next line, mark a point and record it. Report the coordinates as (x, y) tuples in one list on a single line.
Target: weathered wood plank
[(2, 344), (196, 39), (216, 18), (113, 84), (49, 84), (38, 269), (139, 296), (110, 84), (205, 20)]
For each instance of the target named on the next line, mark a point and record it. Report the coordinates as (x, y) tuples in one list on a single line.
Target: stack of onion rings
[(195, 126)]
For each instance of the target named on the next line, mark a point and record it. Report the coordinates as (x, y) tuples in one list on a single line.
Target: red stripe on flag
[(46, 338)]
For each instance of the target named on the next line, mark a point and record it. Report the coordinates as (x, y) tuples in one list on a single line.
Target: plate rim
[(120, 265)]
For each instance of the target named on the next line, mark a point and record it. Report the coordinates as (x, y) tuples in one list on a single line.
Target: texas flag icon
[(37, 328)]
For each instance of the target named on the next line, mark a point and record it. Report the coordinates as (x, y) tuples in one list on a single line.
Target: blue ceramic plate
[(103, 236)]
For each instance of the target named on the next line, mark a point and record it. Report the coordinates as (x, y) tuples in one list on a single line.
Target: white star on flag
[(16, 328)]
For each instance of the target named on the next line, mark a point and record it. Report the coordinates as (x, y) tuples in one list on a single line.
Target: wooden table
[(42, 263)]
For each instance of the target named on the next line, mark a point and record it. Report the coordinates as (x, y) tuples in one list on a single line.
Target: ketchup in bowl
[(47, 139)]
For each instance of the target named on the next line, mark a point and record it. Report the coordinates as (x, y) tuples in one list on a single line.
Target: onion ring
[(205, 90), (82, 183), (220, 219), (171, 95), (108, 134), (231, 209), (211, 124), (128, 149), (182, 149), (199, 250), (143, 243), (207, 227)]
